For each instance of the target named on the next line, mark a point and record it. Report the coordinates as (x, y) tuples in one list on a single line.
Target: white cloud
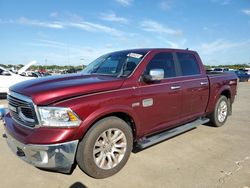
[(222, 2), (156, 27), (48, 43), (246, 12), (93, 27), (52, 42), (165, 4), (222, 51), (65, 53), (75, 23), (26, 21), (177, 43), (113, 18), (124, 3), (108, 46), (54, 14), (218, 45)]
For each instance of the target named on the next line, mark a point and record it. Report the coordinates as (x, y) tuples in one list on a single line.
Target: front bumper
[(58, 157)]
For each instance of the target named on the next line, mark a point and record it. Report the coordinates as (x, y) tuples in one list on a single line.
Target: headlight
[(58, 117)]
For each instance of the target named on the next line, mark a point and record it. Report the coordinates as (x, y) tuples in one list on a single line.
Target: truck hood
[(47, 90)]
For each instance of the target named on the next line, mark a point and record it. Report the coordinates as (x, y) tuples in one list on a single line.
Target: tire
[(105, 148), (221, 111)]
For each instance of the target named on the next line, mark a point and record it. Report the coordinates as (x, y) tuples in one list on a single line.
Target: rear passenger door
[(194, 86)]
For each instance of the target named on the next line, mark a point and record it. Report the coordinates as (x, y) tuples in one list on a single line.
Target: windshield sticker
[(134, 55)]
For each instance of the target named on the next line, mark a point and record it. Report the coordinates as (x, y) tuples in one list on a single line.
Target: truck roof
[(146, 50)]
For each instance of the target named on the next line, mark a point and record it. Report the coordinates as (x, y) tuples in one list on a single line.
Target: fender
[(105, 111), (216, 97)]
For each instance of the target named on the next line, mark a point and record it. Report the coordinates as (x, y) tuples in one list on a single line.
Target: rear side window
[(163, 61), (188, 63)]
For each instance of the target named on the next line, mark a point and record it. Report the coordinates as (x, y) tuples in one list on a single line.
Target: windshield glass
[(115, 64)]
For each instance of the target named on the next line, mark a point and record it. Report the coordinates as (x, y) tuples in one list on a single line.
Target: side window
[(188, 63), (163, 61)]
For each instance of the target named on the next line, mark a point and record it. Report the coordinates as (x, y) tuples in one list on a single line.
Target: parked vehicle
[(72, 70), (31, 74), (26, 67), (218, 70), (7, 79), (243, 76), (246, 70), (124, 99)]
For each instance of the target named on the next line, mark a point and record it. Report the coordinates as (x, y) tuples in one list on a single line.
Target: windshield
[(115, 64)]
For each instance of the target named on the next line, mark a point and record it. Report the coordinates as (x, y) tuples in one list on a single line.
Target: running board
[(146, 142)]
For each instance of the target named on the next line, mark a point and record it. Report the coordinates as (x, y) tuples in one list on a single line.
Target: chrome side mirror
[(154, 75)]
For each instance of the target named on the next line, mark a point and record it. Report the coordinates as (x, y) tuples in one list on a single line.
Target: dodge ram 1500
[(125, 99)]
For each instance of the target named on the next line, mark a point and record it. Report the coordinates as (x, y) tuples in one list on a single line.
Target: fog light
[(44, 156)]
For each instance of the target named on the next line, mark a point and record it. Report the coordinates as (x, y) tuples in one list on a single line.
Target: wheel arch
[(124, 113), (226, 93)]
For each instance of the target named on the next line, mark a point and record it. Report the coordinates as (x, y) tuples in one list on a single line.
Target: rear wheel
[(105, 148), (219, 116)]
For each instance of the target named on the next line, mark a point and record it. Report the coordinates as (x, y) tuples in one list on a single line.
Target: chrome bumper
[(58, 157)]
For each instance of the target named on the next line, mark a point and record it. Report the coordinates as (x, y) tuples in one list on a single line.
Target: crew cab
[(122, 100)]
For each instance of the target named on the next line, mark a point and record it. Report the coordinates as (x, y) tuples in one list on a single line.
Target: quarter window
[(188, 63), (163, 61)]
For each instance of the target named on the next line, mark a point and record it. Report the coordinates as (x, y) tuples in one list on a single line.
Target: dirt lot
[(204, 157)]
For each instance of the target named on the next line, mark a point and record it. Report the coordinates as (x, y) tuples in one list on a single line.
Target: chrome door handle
[(175, 87), (204, 83)]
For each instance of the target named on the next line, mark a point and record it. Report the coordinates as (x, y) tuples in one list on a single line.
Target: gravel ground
[(204, 157)]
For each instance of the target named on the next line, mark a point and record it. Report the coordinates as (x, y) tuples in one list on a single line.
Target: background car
[(243, 76), (7, 79), (246, 70)]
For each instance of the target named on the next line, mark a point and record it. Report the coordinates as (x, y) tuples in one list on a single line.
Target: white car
[(8, 78)]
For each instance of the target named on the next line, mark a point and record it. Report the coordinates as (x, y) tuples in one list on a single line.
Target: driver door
[(160, 101)]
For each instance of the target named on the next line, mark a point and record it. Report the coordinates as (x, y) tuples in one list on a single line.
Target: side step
[(146, 142)]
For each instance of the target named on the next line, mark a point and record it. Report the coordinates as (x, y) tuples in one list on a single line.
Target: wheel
[(105, 148), (219, 116)]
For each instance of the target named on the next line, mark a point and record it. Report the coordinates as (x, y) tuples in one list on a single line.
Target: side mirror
[(155, 75), (5, 73)]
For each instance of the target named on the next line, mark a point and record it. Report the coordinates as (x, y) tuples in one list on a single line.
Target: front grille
[(22, 110)]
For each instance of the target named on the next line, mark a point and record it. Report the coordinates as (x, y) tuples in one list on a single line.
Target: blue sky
[(75, 32)]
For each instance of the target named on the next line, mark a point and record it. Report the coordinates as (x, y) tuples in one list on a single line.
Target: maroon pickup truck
[(122, 100)]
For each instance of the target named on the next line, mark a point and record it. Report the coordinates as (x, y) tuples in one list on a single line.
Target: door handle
[(204, 83), (175, 87)]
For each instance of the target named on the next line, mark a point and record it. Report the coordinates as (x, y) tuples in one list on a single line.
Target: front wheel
[(105, 148), (219, 116)]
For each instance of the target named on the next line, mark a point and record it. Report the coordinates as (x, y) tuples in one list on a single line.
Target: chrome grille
[(22, 110)]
